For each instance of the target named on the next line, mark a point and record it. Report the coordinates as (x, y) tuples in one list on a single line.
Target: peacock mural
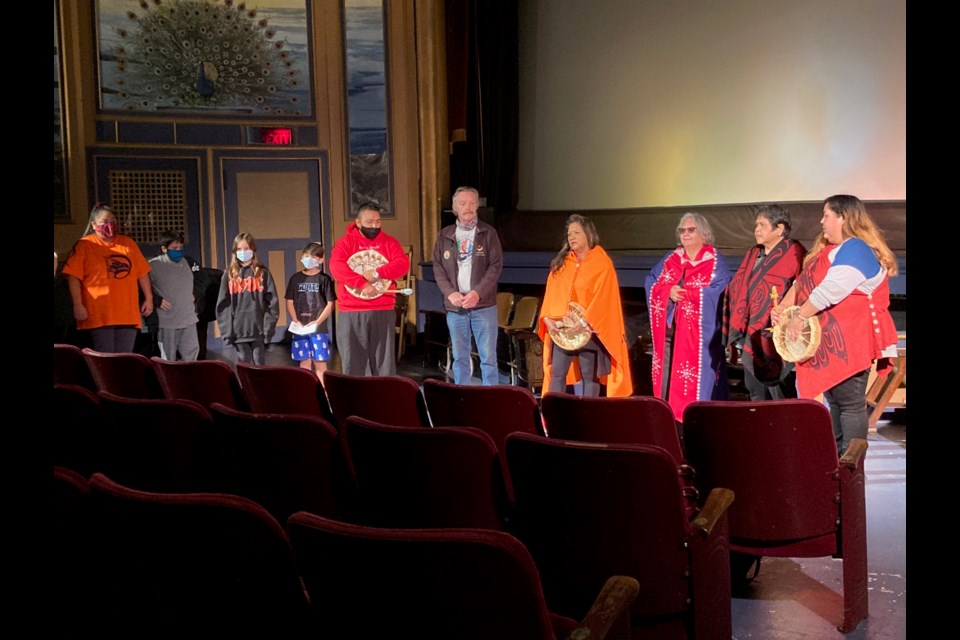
[(213, 55)]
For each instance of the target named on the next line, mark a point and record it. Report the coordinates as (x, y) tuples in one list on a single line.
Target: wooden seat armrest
[(609, 617), (716, 505), (854, 453)]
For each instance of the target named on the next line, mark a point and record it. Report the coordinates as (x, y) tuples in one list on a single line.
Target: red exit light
[(276, 136)]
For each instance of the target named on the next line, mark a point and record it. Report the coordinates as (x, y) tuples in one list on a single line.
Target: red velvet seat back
[(632, 420), (151, 445), (390, 400), (499, 410), (70, 367), (75, 429), (588, 511), (167, 560), (203, 381), (284, 463), (287, 390), (438, 584), (67, 547), (778, 457), (418, 478), (128, 375)]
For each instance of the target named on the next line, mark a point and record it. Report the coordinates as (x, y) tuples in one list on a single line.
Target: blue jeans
[(482, 324)]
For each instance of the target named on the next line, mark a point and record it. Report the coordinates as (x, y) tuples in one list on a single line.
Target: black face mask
[(370, 232)]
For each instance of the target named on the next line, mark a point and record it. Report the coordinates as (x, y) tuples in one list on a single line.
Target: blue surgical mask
[(244, 256), (175, 254), (309, 262)]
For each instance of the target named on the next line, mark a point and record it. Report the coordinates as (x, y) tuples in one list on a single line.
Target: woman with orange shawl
[(583, 273)]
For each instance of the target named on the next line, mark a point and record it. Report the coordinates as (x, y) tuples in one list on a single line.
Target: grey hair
[(703, 227), (462, 190)]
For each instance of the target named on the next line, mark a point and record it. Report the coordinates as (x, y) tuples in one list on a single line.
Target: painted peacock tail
[(195, 53)]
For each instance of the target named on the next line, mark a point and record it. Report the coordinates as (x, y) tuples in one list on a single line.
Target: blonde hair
[(258, 267), (857, 223)]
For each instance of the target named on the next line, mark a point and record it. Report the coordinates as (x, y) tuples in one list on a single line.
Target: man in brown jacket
[(467, 261)]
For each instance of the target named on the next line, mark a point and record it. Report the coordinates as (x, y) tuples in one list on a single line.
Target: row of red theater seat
[(443, 478), (131, 562), (802, 517)]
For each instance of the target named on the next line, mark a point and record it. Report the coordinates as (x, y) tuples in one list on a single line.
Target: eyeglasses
[(683, 230)]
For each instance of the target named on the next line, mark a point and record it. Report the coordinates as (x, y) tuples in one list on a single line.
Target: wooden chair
[(386, 399), (402, 303), (505, 302), (523, 339), (587, 510), (884, 387), (468, 584), (794, 497)]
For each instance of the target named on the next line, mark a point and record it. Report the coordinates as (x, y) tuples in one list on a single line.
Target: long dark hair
[(857, 223), (593, 239)]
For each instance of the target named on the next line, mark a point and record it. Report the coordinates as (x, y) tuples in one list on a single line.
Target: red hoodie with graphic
[(354, 252)]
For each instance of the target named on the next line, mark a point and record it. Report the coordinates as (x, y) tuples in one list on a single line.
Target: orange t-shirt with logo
[(108, 274)]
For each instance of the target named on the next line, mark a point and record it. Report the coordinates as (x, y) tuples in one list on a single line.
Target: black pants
[(117, 338), (785, 387), (589, 360)]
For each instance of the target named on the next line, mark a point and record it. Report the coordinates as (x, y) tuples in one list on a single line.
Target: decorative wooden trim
[(432, 112)]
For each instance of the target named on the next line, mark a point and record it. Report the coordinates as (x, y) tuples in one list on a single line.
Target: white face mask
[(309, 262), (244, 255)]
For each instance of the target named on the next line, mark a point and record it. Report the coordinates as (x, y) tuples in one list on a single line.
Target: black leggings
[(115, 338), (587, 358)]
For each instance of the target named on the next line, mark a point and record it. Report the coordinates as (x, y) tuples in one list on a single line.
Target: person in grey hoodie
[(172, 280)]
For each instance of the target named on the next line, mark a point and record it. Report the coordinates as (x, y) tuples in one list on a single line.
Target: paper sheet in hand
[(298, 329)]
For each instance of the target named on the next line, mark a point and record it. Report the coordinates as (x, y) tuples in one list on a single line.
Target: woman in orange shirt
[(103, 272)]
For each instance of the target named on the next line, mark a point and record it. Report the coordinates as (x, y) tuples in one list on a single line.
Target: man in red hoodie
[(365, 262)]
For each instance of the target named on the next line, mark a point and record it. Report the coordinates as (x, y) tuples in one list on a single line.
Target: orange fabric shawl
[(593, 284)]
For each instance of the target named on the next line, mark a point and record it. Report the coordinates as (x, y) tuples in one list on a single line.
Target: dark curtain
[(483, 98)]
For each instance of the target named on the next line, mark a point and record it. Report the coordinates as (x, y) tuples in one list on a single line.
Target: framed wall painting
[(205, 57), (368, 116)]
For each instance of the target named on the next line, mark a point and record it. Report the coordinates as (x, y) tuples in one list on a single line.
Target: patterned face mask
[(107, 229)]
